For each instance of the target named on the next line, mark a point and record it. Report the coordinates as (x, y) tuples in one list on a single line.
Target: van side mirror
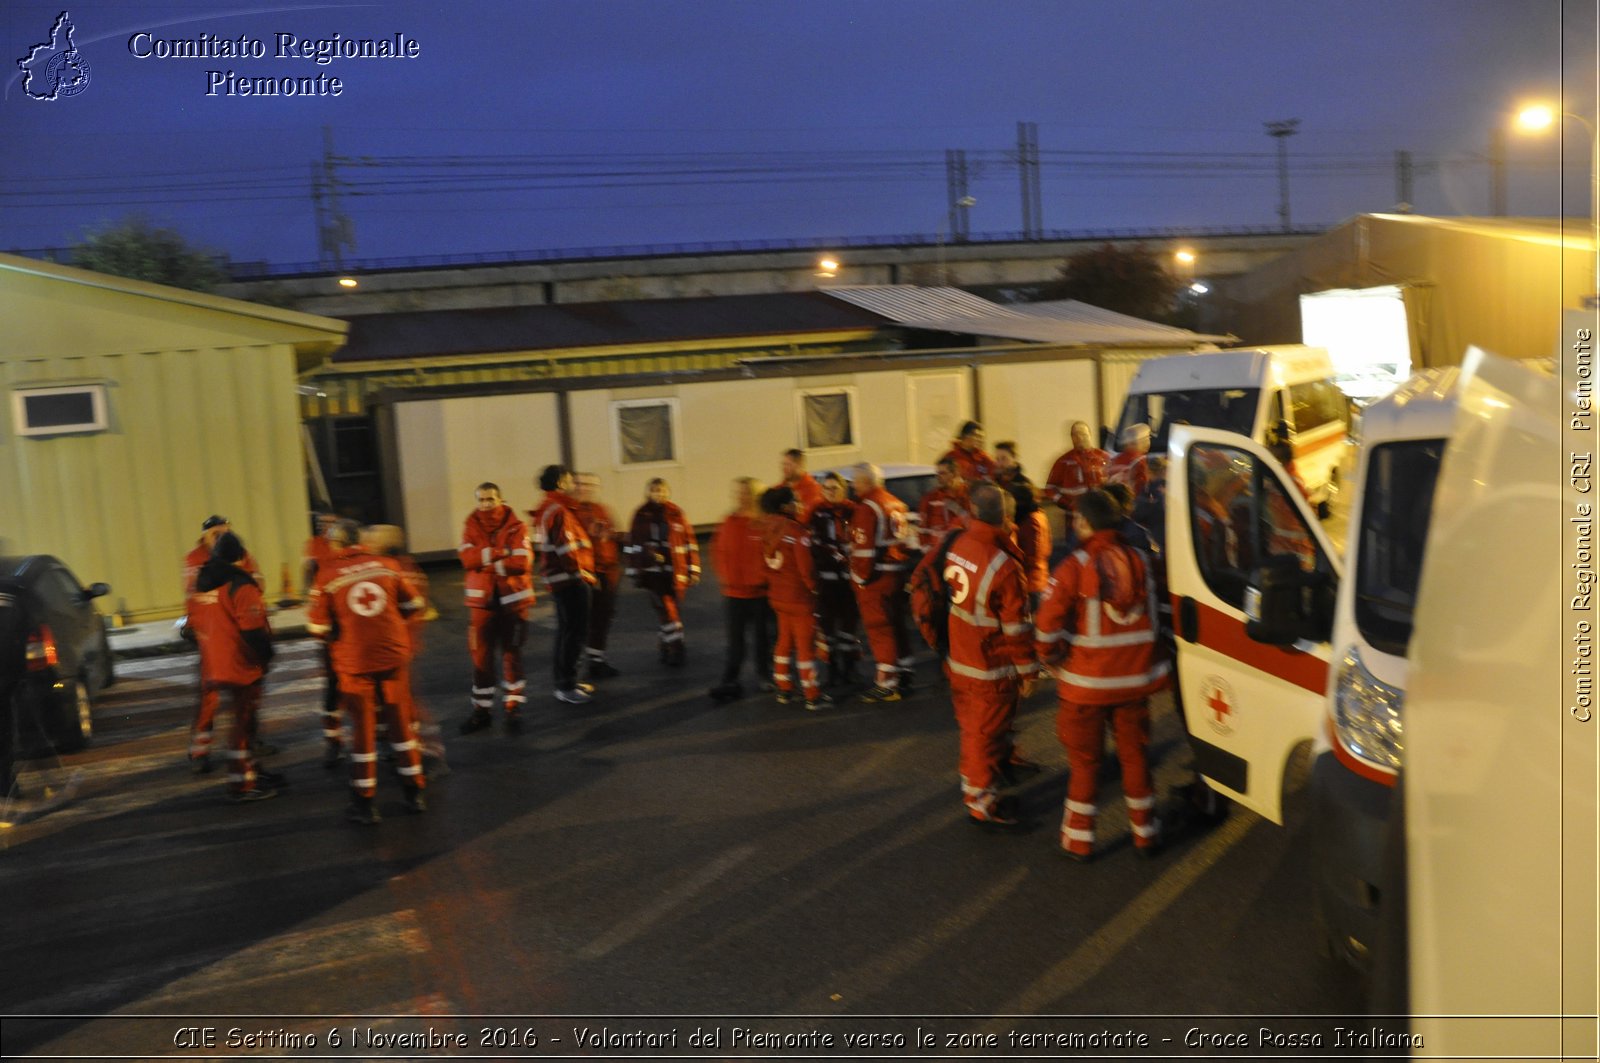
[(1284, 604), (97, 590)]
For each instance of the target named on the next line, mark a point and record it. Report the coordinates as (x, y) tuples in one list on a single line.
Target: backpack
[(930, 595)]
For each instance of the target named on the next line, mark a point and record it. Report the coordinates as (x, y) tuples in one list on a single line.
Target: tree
[(1130, 281), (135, 248)]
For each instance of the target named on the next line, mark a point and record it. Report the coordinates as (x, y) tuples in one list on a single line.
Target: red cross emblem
[(1219, 705), (1218, 698), (367, 598)]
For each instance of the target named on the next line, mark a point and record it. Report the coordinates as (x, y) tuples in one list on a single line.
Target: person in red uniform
[(742, 572), (807, 492), (944, 507), (1096, 633), (387, 542), (1082, 468), (792, 592), (837, 616), (879, 566), (663, 559), (329, 542), (230, 625), (205, 712), (1128, 467), (991, 658), (601, 527), (1033, 541), (566, 561), (968, 453), (498, 558), (359, 605)]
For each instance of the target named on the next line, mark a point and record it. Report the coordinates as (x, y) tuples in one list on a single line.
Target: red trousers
[(205, 716), (668, 612), (797, 636), (488, 630), (246, 702), (1081, 729), (985, 711), (364, 696), (884, 613)]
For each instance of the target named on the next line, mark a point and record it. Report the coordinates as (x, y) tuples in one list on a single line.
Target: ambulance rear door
[(1253, 580)]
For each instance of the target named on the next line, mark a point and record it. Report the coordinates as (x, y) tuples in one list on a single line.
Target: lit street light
[(1537, 118), (962, 204)]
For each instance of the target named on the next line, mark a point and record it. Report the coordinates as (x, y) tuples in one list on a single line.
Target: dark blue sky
[(554, 124)]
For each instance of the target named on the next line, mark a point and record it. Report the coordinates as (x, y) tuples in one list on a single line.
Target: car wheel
[(76, 720)]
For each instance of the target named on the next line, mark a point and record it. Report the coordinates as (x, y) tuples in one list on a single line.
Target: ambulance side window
[(1221, 495)]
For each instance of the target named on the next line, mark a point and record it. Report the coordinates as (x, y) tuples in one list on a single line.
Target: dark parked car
[(63, 660)]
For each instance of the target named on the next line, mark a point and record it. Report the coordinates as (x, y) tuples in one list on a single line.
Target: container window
[(644, 431), (59, 411), (827, 419)]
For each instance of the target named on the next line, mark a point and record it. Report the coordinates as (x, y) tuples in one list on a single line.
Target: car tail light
[(41, 649)]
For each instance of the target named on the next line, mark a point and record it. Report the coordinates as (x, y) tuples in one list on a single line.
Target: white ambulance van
[(1356, 755), (1455, 876), (1249, 392)]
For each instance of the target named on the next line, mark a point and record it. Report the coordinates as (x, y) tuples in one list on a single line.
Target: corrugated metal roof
[(1067, 322), (560, 326)]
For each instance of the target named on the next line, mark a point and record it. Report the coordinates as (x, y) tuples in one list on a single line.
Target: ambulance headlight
[(1366, 713)]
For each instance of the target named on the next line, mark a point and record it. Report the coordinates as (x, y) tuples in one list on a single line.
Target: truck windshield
[(1231, 409), (1395, 508)]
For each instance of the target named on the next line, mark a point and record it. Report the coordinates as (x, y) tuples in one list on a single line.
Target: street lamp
[(963, 204), (1539, 117)]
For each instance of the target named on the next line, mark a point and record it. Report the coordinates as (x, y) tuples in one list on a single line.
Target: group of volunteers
[(982, 597), (808, 569), (367, 604)]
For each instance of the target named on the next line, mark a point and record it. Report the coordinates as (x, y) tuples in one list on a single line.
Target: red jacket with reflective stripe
[(358, 605), (559, 538), (601, 527), (1128, 468), (195, 560), (991, 636), (1096, 629), (661, 542), (221, 616), (1076, 471), (791, 581), (736, 548), (972, 464), (940, 510), (1033, 543), (498, 558), (807, 494), (878, 532)]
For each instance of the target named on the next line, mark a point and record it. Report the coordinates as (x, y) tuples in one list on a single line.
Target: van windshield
[(1231, 409), (1395, 509)]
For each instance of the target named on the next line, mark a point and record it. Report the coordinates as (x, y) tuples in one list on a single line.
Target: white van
[(1357, 753), (1470, 831), (1250, 392)]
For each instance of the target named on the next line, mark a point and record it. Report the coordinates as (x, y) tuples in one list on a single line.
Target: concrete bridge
[(985, 261)]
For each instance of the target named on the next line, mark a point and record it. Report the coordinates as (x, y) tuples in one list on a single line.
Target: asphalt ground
[(652, 854)]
